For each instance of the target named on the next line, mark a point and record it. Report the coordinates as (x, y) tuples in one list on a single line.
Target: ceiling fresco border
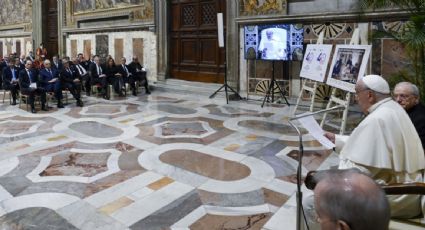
[(143, 13), (255, 8)]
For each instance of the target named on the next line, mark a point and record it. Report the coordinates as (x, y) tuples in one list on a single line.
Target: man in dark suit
[(69, 79), (128, 74), (140, 73), (49, 81), (10, 80), (83, 62), (19, 65), (97, 76), (57, 64), (82, 74), (28, 78)]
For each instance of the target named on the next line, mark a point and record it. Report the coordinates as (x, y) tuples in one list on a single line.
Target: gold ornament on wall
[(262, 7)]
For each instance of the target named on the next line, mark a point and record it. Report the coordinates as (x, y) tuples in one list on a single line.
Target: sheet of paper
[(316, 131), (33, 85)]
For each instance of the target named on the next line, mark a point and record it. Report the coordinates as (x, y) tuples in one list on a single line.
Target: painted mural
[(14, 12), (262, 7), (93, 5)]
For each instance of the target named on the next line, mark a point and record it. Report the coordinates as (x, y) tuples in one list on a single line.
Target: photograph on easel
[(315, 63), (348, 66)]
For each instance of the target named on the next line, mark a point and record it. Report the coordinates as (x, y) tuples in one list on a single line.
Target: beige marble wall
[(9, 45), (149, 47)]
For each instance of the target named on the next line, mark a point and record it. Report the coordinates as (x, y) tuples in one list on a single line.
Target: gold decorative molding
[(262, 7)]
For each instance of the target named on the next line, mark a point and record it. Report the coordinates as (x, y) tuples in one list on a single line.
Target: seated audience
[(128, 75), (384, 145), (49, 81), (82, 73), (57, 64), (407, 95), (69, 80), (98, 76), (10, 80), (115, 78), (140, 73), (28, 78)]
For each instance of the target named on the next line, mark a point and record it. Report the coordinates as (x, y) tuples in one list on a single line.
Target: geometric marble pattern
[(165, 161)]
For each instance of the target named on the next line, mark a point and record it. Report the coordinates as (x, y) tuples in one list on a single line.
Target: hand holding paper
[(316, 131)]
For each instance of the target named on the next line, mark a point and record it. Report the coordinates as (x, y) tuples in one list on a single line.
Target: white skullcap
[(376, 83)]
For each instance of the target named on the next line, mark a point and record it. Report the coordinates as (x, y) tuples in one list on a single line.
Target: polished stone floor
[(169, 160)]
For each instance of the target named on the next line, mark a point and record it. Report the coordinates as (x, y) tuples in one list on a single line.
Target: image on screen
[(274, 42)]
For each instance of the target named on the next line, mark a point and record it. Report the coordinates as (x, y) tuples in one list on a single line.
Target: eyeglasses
[(402, 96)]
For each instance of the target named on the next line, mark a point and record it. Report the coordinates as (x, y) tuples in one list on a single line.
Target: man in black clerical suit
[(57, 64), (407, 95), (10, 80), (69, 79), (98, 76), (28, 78), (139, 73)]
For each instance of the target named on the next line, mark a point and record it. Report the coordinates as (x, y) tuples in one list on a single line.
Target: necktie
[(68, 70), (13, 74), (29, 75), (99, 70), (126, 70), (50, 72)]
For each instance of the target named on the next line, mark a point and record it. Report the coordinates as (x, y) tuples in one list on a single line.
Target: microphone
[(335, 108)]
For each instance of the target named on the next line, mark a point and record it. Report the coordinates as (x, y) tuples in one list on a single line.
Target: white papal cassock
[(387, 146)]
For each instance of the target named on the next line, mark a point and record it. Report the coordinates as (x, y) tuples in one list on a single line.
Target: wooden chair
[(10, 95), (402, 189)]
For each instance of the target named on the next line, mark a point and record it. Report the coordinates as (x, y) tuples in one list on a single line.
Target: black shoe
[(44, 108), (148, 92), (105, 97), (33, 110), (88, 94), (134, 93), (79, 103), (13, 102), (60, 105)]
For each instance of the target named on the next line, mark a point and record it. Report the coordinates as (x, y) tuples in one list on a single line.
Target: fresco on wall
[(92, 5), (14, 12), (262, 7)]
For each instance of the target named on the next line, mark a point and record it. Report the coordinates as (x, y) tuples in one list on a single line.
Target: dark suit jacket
[(121, 70), (7, 75), (24, 79), (93, 71), (58, 68), (68, 77), (45, 77)]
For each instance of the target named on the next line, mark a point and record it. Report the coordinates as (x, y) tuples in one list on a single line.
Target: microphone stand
[(299, 194)]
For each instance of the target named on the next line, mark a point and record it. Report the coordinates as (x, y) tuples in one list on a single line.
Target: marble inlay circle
[(206, 165), (183, 129), (95, 129)]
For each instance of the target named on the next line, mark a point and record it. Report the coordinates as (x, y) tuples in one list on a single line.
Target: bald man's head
[(347, 199)]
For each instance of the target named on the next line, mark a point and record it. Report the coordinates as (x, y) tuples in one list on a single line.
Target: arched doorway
[(194, 51)]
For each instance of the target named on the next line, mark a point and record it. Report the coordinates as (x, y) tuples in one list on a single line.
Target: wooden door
[(50, 27), (194, 51)]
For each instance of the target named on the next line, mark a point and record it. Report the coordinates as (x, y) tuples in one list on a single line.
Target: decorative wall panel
[(102, 46), (15, 12), (87, 49), (138, 49), (119, 49), (262, 7)]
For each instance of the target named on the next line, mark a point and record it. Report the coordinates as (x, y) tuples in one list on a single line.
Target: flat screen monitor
[(274, 42)]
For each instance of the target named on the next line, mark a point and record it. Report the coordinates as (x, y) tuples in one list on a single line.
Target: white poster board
[(316, 60), (348, 66)]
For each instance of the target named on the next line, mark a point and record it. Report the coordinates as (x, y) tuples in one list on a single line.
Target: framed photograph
[(348, 66), (315, 63)]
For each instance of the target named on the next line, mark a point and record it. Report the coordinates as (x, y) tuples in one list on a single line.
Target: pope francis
[(385, 144)]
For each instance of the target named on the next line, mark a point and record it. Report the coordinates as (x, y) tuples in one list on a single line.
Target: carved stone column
[(161, 8), (61, 16), (232, 44), (37, 23)]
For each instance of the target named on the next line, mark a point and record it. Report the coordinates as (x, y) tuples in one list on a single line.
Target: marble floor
[(169, 160)]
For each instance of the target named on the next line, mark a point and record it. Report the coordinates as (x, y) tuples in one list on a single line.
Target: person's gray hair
[(354, 198), (413, 88)]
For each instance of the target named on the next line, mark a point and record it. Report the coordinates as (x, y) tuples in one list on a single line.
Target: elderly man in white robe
[(384, 145)]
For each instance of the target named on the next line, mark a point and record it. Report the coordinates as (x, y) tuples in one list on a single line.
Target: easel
[(306, 87), (343, 102), (270, 90)]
